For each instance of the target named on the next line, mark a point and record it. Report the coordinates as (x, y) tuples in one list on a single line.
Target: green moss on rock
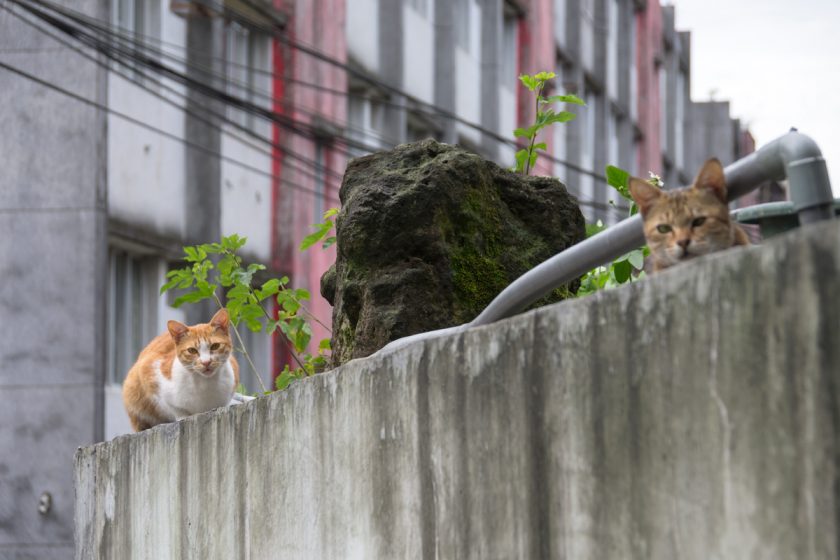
[(429, 234)]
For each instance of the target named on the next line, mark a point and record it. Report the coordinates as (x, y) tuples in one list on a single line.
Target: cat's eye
[(663, 228), (697, 222), (192, 350), (214, 346)]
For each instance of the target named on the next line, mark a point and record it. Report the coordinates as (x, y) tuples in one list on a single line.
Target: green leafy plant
[(628, 267), (526, 158), (217, 267), (322, 230)]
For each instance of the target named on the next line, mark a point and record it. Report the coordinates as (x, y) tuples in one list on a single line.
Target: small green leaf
[(193, 254), (520, 133), (268, 289), (561, 117), (191, 297), (290, 305), (169, 285), (328, 242), (283, 379), (569, 98), (528, 81), (330, 213), (618, 179), (324, 345), (233, 242), (313, 238), (621, 271), (637, 259)]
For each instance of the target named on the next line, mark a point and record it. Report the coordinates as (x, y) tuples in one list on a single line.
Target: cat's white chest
[(187, 393)]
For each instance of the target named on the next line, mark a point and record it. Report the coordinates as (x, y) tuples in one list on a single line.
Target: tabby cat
[(686, 223), (185, 371)]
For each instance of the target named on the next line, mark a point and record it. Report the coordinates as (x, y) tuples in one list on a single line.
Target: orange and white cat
[(182, 372), (682, 224)]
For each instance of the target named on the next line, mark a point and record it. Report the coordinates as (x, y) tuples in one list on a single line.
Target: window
[(320, 182), (634, 76), (137, 17), (587, 33), (612, 49), (612, 153), (462, 23), (249, 71), (510, 48), (560, 130), (139, 20), (560, 22), (679, 155), (365, 121), (664, 116), (132, 296), (588, 139)]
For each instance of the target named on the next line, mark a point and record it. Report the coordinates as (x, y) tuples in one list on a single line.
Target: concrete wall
[(692, 415), (52, 262)]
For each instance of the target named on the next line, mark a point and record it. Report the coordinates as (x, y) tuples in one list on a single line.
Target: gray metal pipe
[(793, 155), (797, 157)]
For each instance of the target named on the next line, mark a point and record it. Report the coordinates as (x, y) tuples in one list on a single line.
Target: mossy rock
[(429, 234)]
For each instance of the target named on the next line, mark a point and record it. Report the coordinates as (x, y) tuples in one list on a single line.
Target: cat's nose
[(684, 243)]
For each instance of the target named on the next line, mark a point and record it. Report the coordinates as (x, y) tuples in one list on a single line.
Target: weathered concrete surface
[(53, 259), (693, 416)]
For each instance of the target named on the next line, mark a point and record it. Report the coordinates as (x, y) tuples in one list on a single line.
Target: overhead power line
[(138, 77), (429, 109), (297, 127), (140, 123), (283, 37), (117, 51)]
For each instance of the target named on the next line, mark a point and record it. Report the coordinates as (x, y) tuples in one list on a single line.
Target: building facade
[(186, 120)]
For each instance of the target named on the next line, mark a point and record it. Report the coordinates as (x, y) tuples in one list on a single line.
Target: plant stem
[(285, 338), (534, 137), (242, 345)]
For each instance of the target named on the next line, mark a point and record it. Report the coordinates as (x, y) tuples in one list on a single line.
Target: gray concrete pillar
[(391, 65), (203, 171), (445, 66)]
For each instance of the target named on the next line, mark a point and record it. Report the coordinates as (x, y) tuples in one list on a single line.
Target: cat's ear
[(711, 178), (220, 320), (177, 330), (643, 193)]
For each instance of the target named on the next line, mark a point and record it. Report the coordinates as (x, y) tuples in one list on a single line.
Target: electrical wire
[(236, 102), (313, 52), (116, 51), (131, 75), (432, 110), (140, 123)]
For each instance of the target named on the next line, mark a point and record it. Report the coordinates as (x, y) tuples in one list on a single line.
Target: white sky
[(777, 62)]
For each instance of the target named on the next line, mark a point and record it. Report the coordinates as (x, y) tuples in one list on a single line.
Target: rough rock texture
[(429, 234)]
